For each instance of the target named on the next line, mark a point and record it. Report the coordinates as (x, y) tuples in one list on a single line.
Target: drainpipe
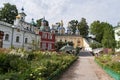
[(23, 39), (12, 36)]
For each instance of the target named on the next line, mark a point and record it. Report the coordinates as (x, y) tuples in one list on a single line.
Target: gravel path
[(85, 69)]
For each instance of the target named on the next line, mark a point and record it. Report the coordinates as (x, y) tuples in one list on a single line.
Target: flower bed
[(110, 64), (33, 65)]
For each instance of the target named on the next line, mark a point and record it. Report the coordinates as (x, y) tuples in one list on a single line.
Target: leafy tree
[(70, 43), (97, 29), (39, 22), (8, 13), (117, 44), (95, 45), (59, 45), (108, 40), (83, 27), (73, 24)]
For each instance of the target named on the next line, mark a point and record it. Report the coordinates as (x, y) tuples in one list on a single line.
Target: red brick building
[(47, 41)]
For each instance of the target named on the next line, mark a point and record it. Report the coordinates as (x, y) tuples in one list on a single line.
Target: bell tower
[(20, 17)]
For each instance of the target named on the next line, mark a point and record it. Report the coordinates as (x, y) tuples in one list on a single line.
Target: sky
[(67, 10)]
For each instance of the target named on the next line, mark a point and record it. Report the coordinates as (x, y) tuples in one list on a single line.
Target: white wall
[(117, 38), (7, 29), (86, 45)]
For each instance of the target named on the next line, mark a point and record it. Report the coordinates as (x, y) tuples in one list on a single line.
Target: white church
[(21, 34)]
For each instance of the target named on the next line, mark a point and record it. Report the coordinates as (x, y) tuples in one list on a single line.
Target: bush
[(109, 61), (36, 66)]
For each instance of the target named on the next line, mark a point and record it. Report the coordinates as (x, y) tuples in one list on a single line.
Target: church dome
[(44, 25), (42, 28), (33, 23)]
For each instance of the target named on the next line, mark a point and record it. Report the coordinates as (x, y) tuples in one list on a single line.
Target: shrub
[(36, 66)]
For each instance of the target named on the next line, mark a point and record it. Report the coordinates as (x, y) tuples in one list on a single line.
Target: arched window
[(7, 37), (26, 40), (17, 39)]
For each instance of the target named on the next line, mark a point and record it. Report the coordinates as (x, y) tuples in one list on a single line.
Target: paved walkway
[(85, 69)]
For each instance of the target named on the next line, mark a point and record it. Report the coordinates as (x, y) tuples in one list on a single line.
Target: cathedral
[(60, 35), (29, 36), (21, 34)]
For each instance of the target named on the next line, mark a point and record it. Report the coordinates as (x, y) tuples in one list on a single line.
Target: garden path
[(85, 69)]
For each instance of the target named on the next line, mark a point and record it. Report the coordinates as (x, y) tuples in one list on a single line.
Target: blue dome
[(60, 28)]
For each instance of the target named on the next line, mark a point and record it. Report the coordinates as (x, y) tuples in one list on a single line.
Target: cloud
[(66, 10)]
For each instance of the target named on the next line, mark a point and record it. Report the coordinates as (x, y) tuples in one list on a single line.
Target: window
[(51, 36), (65, 40), (26, 40), (17, 39), (49, 46), (22, 18), (30, 29), (44, 35), (43, 46), (27, 28), (7, 37), (60, 40), (78, 41)]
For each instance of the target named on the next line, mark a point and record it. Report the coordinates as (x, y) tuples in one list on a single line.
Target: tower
[(20, 17), (69, 30), (61, 29), (52, 29), (44, 26)]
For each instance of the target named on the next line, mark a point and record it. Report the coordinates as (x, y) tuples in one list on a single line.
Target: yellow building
[(77, 40)]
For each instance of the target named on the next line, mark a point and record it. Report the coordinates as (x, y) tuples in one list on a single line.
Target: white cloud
[(55, 10)]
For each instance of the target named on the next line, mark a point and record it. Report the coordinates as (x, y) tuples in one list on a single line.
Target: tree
[(83, 27), (108, 40), (97, 29), (8, 13), (39, 22), (118, 42), (95, 45), (73, 24), (59, 45), (70, 43)]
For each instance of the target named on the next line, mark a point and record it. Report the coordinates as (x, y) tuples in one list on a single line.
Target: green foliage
[(117, 44), (70, 43), (108, 40), (77, 50), (60, 44), (95, 45), (104, 33), (83, 27), (12, 63), (37, 66), (97, 29), (73, 24), (109, 61), (8, 13), (39, 22)]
